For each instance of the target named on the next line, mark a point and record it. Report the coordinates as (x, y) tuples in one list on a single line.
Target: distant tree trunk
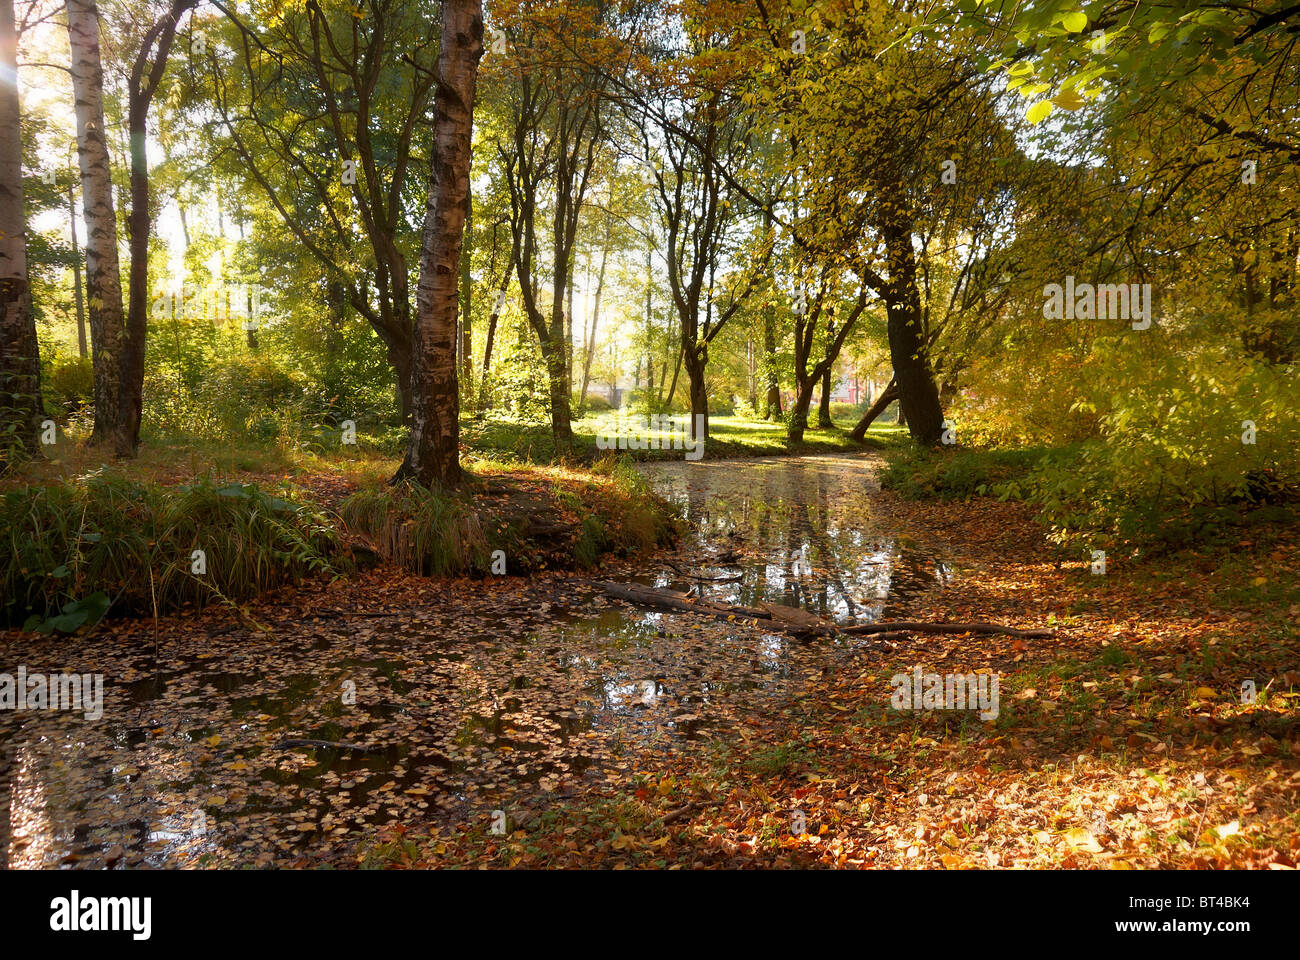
[(882, 402), (824, 408), (78, 294), (433, 451), (772, 401), (590, 344), (751, 362), (492, 325), (108, 333), (21, 408), (807, 378), (568, 322), (466, 294)]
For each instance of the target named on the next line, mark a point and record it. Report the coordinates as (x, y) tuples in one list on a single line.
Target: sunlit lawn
[(170, 459)]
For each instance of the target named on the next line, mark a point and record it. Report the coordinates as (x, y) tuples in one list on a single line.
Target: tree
[(351, 175), (433, 450), (698, 135), (557, 128), (20, 365), (108, 334), (821, 306), (146, 73)]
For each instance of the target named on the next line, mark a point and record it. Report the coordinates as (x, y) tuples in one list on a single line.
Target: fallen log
[(796, 620), (799, 621), (786, 618), (917, 626)]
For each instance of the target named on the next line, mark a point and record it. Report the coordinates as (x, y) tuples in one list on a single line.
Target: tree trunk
[(882, 402), (401, 359), (772, 401), (466, 299), (797, 421), (21, 409), (108, 334), (433, 451), (677, 370), (145, 76), (695, 365), (824, 408), (78, 296), (557, 374), (918, 396)]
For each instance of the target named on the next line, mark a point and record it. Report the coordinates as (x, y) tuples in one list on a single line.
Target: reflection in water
[(497, 699), (808, 533)]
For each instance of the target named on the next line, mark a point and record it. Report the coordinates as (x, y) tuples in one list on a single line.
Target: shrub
[(960, 474), (71, 383)]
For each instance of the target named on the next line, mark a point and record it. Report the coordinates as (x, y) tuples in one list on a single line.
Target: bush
[(70, 383), (960, 474)]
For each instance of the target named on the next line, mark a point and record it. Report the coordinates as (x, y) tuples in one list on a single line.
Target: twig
[(919, 627)]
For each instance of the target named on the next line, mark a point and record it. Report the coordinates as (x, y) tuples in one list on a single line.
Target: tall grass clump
[(424, 531), (134, 544)]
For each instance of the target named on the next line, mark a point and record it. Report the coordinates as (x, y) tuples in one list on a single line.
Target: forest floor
[(391, 720), (1122, 743)]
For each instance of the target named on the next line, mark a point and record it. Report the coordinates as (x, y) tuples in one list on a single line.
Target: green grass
[(135, 543), (729, 437), (427, 532), (955, 474)]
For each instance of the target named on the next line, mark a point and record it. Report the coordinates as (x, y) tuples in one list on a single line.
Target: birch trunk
[(433, 451)]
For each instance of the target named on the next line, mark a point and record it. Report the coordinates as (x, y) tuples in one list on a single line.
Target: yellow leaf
[(1075, 22), (1039, 111), (1082, 839), (1069, 100)]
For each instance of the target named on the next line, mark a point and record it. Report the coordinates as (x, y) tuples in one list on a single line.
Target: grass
[(729, 437), (424, 531), (140, 547), (955, 474), (84, 535)]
